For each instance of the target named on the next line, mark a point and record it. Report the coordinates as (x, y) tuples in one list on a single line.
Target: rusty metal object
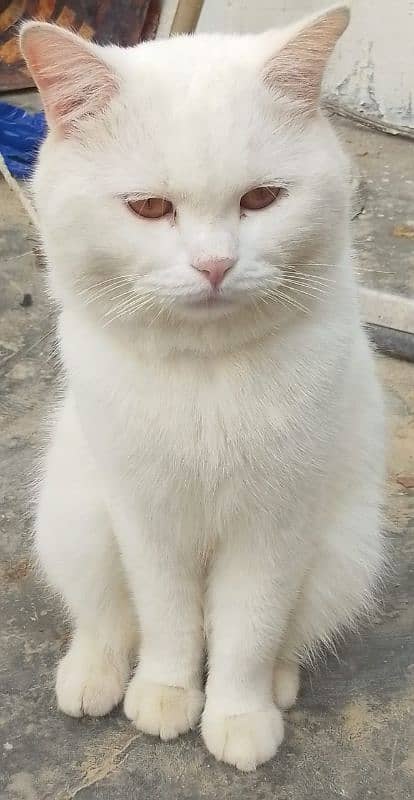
[(124, 22), (369, 122), (389, 320)]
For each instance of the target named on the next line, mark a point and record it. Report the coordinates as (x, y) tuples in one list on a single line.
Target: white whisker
[(295, 288), (305, 285), (105, 293), (278, 290), (124, 297), (284, 299), (318, 278), (294, 303), (130, 307), (110, 280)]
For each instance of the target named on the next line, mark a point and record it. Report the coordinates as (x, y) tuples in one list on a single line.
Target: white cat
[(215, 471)]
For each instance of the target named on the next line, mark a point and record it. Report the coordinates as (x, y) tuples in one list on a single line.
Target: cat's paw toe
[(164, 711), (88, 686), (286, 681), (244, 740)]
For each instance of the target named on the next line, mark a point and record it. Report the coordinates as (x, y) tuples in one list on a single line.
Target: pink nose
[(214, 269)]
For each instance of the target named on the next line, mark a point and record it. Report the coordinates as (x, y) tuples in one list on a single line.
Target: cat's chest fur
[(195, 424), (233, 430), (180, 403)]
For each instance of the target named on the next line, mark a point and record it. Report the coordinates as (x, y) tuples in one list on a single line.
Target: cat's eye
[(151, 207), (259, 198)]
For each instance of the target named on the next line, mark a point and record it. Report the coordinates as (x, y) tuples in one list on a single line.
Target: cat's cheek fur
[(213, 483)]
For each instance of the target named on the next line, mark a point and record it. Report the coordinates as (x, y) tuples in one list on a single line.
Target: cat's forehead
[(198, 58), (202, 105), (189, 78)]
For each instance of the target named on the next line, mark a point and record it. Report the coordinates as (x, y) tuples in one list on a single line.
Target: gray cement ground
[(351, 734)]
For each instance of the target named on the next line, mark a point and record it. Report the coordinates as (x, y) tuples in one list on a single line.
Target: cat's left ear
[(296, 69), (72, 77)]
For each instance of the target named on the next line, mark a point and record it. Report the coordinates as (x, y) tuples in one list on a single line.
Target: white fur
[(215, 471)]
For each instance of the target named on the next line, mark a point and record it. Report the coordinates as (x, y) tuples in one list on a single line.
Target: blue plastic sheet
[(21, 134)]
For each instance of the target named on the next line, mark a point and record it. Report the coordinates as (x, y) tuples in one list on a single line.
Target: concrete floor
[(351, 734)]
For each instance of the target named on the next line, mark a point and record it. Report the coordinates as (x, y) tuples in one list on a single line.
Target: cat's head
[(188, 179)]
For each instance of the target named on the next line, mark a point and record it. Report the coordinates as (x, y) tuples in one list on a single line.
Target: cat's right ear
[(72, 78), (296, 70)]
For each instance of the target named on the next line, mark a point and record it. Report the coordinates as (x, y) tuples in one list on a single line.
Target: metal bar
[(390, 342), (387, 310)]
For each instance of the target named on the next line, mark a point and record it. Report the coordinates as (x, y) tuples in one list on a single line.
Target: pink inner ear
[(72, 79), (297, 69)]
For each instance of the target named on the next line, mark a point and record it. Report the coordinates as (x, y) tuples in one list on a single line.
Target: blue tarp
[(21, 134)]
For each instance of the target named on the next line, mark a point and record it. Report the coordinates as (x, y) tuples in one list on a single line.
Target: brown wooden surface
[(123, 22)]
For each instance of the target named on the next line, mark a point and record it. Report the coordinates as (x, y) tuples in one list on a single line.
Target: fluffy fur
[(214, 476)]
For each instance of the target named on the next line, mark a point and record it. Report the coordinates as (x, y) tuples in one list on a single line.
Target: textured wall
[(372, 72)]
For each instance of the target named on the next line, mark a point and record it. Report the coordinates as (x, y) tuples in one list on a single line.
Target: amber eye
[(151, 208), (259, 198)]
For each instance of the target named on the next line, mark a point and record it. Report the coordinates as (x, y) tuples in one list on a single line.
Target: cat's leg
[(338, 587), (165, 698), (251, 591), (78, 553), (286, 680)]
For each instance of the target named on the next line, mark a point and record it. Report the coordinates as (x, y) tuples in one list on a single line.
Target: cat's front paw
[(88, 683), (164, 711), (243, 740)]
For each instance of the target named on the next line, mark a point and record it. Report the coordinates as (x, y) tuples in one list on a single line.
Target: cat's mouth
[(211, 305), (212, 299)]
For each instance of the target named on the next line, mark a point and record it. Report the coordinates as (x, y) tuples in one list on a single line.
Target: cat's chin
[(212, 305)]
